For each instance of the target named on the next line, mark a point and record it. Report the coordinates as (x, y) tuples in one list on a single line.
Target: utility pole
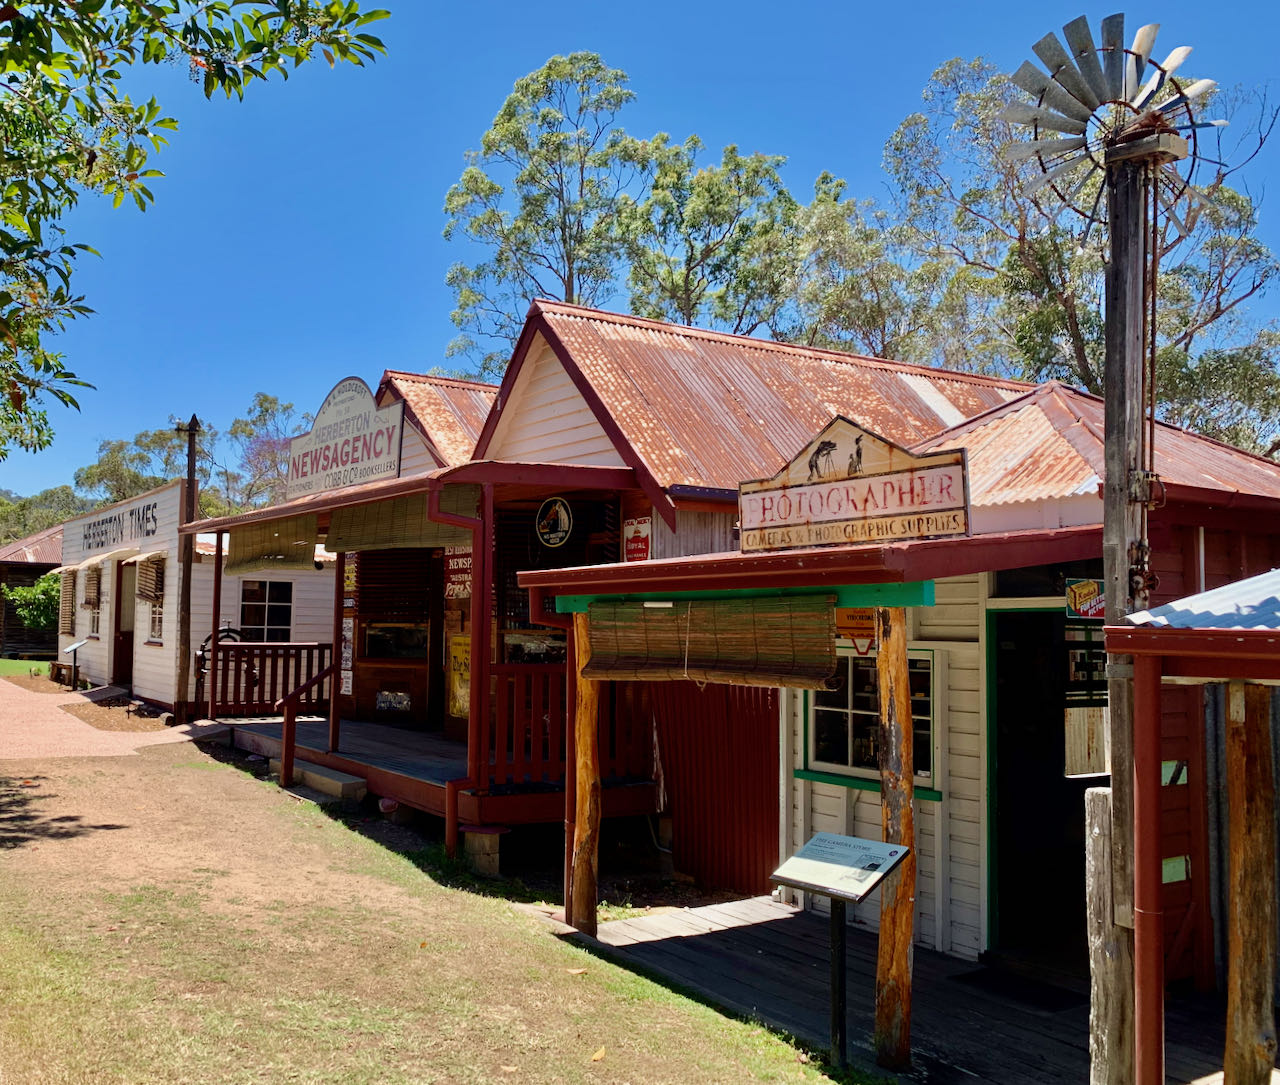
[(186, 552)]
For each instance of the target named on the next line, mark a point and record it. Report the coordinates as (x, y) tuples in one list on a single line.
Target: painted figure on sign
[(855, 457), (820, 460)]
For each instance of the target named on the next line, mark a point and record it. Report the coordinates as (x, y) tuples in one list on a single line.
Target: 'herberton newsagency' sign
[(850, 486), (352, 440)]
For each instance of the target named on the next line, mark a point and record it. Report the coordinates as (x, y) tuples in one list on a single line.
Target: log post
[(1251, 842), (898, 890), (586, 831), (1110, 953)]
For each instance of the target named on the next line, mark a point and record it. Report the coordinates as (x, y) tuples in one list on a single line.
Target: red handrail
[(289, 703)]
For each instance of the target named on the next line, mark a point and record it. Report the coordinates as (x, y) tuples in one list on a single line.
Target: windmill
[(1115, 139)]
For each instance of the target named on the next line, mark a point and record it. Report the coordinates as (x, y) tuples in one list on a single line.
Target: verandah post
[(586, 834), (898, 891)]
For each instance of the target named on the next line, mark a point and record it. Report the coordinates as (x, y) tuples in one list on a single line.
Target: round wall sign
[(554, 522)]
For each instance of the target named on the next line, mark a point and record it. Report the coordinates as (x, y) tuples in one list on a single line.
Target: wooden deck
[(770, 961), (413, 767)]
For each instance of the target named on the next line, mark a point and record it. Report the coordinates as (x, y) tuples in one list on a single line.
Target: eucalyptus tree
[(70, 128)]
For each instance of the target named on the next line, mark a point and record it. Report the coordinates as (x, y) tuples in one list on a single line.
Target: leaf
[(598, 1055), (422, 945)]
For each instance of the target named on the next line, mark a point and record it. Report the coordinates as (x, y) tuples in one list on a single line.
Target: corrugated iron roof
[(1247, 604), (703, 408), (1049, 444), (42, 548), (449, 412)]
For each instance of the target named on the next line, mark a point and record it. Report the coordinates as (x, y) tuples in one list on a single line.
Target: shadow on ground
[(23, 822)]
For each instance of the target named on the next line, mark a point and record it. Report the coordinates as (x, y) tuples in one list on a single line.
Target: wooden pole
[(839, 979), (212, 676), (186, 555), (570, 770), (1251, 842), (335, 683), (1110, 953), (586, 831), (898, 890)]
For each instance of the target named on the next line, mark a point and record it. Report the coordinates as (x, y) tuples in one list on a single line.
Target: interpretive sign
[(850, 486), (847, 867), (351, 441)]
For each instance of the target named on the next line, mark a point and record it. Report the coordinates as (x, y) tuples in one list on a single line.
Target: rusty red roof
[(1049, 443), (42, 548), (708, 409), (448, 412)]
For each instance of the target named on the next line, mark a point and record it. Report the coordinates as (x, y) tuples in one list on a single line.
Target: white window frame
[(937, 659), (267, 604), (156, 621)]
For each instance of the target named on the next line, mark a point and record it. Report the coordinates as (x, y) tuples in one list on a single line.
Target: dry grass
[(167, 918)]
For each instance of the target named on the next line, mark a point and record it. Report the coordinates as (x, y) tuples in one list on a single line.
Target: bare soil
[(36, 683), (117, 714)]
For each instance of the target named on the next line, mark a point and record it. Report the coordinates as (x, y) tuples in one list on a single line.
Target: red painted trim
[(1148, 909), (518, 358), (892, 563), (1254, 645), (575, 476)]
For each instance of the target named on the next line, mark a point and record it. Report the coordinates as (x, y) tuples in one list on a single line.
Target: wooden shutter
[(151, 580), (67, 605), (768, 641), (92, 587)]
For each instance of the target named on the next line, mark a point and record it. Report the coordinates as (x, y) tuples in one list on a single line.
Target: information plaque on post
[(846, 869)]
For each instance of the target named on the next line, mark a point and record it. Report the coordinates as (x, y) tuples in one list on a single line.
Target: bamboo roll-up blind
[(274, 545), (769, 641), (92, 586), (401, 522), (150, 584)]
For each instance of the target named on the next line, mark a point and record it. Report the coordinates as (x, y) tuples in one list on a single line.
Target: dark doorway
[(1038, 815)]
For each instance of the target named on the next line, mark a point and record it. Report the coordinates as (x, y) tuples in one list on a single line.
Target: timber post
[(335, 683), (1110, 952), (211, 675), (586, 833), (1251, 925), (186, 556), (898, 891)]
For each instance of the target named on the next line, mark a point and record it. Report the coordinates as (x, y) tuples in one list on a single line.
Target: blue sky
[(296, 237)]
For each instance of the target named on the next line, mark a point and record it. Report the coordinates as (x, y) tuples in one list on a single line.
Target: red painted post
[(287, 742), (213, 638), (1148, 912), (339, 593)]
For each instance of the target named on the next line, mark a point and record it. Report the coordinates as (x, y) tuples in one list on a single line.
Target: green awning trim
[(402, 522), (919, 593), (272, 546), (766, 641)]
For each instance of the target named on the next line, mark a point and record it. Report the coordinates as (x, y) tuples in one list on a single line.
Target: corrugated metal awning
[(146, 556)]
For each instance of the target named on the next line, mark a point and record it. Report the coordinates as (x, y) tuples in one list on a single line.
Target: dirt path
[(170, 918)]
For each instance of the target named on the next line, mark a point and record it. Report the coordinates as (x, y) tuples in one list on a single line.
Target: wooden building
[(22, 563), (996, 669)]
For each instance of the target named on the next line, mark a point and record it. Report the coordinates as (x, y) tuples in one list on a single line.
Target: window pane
[(279, 614), (866, 739), (253, 591), (277, 633), (253, 614), (252, 632), (834, 698), (831, 736), (280, 591)]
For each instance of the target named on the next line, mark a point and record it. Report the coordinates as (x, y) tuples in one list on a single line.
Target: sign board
[(348, 643), (636, 534), (850, 486), (122, 525), (1086, 599), (856, 623), (457, 572), (554, 522), (351, 441), (844, 867), (459, 675)]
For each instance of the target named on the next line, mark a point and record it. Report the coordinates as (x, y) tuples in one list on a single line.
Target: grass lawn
[(21, 666), (167, 917)]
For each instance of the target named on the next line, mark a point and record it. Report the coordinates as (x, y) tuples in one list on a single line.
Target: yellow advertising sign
[(459, 684)]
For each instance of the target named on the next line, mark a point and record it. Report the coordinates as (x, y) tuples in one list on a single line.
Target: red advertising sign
[(635, 538)]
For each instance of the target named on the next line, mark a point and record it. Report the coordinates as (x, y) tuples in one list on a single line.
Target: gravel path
[(34, 725)]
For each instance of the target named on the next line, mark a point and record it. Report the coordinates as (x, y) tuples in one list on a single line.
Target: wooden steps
[(341, 785)]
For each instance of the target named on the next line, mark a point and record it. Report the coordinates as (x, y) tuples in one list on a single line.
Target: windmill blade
[(1036, 83), (1093, 217), (1198, 88), (1169, 209), (1017, 152), (1200, 124), (1020, 113), (1177, 183), (1080, 41), (1041, 179), (1113, 65), (1068, 200), (1136, 58), (1171, 64), (1063, 70)]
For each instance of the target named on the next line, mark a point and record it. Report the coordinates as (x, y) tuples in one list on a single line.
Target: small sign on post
[(845, 869)]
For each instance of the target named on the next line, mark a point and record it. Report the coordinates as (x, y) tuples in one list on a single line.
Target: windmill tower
[(1111, 130)]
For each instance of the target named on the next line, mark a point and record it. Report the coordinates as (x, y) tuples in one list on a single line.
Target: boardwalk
[(770, 961)]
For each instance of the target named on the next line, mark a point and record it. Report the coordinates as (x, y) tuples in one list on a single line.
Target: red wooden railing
[(526, 733), (252, 677), (288, 705)]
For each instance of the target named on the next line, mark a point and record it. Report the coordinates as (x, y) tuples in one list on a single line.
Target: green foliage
[(37, 605), (711, 245), (23, 516), (542, 196), (262, 440), (69, 129)]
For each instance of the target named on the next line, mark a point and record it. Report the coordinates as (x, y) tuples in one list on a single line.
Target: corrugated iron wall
[(719, 754)]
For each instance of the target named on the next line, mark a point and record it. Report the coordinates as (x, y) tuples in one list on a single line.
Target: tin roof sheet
[(449, 412), (704, 408), (1049, 443), (1247, 604), (42, 548)]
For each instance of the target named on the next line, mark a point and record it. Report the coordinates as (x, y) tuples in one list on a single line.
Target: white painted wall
[(950, 834), (546, 420)]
